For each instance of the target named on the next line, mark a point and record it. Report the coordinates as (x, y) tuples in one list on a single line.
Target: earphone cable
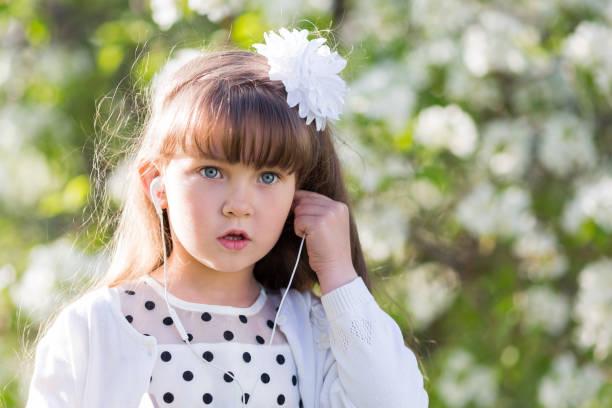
[(181, 330)]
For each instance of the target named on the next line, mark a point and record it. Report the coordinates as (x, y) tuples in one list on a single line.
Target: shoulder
[(71, 325), (307, 305), (304, 299), (85, 306)]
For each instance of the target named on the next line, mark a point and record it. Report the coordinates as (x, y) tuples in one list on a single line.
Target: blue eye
[(211, 172), (269, 178)]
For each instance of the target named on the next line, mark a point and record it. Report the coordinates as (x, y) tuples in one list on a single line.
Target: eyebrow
[(209, 157)]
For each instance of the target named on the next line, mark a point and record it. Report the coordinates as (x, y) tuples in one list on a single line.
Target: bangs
[(243, 122)]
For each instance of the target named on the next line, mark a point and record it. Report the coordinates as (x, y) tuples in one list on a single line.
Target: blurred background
[(477, 143)]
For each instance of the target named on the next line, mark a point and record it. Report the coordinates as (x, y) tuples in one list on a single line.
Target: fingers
[(310, 209), (303, 197), (304, 224)]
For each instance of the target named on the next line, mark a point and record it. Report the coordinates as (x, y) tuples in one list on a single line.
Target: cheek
[(190, 207), (278, 209)]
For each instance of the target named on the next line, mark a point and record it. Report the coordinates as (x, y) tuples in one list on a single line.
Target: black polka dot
[(245, 398), (228, 335), (246, 356), (206, 316), (207, 398), (270, 324), (168, 397), (276, 308), (129, 318), (151, 379), (189, 337), (294, 380), (243, 318), (208, 356), (280, 359), (227, 377), (265, 378), (149, 305), (166, 356), (301, 404), (130, 292), (187, 376), (259, 339), (281, 399), (168, 321), (147, 334)]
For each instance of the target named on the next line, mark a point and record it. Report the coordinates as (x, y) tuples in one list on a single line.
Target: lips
[(235, 234), (234, 240)]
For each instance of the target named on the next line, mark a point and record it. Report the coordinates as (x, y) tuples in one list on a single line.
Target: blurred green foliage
[(478, 254)]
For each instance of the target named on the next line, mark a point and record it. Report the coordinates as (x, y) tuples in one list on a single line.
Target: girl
[(202, 304)]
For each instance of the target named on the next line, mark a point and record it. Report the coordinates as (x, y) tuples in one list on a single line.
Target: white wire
[(179, 326)]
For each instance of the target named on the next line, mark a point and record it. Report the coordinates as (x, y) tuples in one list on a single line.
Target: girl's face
[(206, 198)]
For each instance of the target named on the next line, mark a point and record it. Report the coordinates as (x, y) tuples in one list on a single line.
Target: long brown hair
[(223, 104)]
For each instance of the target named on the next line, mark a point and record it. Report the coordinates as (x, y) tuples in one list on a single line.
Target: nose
[(238, 204)]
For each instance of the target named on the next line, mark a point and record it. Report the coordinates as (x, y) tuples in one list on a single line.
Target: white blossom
[(419, 61), (542, 307), (25, 178), (584, 49), (505, 147), (484, 211), (568, 386), (19, 127), (383, 92), (567, 145), (441, 51), (7, 60), (379, 21), (425, 193), (464, 383), (498, 43), (309, 71), (7, 275), (165, 13), (443, 17), (383, 228), (583, 46), (593, 308), (216, 10), (477, 92), (446, 127), (60, 64), (427, 291), (540, 256), (592, 201), (51, 270)]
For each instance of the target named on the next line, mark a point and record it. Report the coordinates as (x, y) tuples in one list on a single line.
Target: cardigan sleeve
[(60, 363), (367, 364)]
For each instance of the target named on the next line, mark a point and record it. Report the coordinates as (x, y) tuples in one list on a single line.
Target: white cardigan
[(349, 353)]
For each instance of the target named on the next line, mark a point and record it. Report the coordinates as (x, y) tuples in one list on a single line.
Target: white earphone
[(154, 188)]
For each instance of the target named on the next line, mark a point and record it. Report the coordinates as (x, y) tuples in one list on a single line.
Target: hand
[(328, 241)]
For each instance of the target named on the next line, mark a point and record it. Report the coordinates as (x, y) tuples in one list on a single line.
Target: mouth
[(236, 235), (234, 239)]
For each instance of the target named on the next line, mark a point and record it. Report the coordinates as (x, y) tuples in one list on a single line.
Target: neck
[(197, 283)]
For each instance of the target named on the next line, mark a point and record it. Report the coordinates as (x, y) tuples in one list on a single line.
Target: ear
[(147, 171)]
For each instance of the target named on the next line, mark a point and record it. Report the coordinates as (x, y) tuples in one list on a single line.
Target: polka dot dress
[(232, 338)]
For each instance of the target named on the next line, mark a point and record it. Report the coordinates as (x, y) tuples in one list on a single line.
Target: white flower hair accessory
[(309, 72)]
